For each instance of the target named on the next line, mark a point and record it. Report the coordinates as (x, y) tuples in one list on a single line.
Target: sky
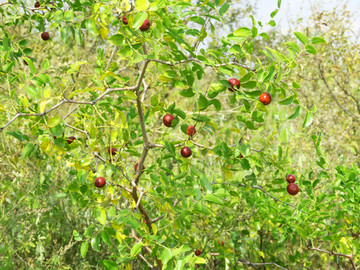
[(302, 8)]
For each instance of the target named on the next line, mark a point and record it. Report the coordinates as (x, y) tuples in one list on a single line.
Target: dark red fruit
[(186, 152), (197, 252), (125, 20), (45, 35), (265, 98), (145, 26), (37, 4), (292, 189), (234, 82), (221, 242), (71, 139), (112, 151), (290, 178), (100, 182), (136, 166), (168, 118), (191, 130)]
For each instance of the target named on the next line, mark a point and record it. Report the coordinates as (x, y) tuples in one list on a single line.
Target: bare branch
[(157, 218), (350, 257), (259, 264), (272, 196)]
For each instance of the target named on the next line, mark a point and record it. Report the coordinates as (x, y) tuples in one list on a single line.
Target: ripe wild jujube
[(100, 182), (234, 83), (168, 118), (186, 152), (290, 178), (191, 130), (265, 98), (292, 189)]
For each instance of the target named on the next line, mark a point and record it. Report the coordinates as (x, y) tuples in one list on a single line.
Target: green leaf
[(235, 49), (69, 16), (45, 64), (286, 101), (91, 27), (54, 121), (223, 9), (139, 19), (203, 102), (100, 215), (198, 20), (318, 40), (105, 238), (31, 65), (295, 85), (257, 116), (166, 255), (215, 89), (204, 182), (187, 93), (293, 45), (213, 199), (28, 149), (95, 243), (32, 92), (279, 3), (242, 32), (116, 40), (136, 249), (296, 113), (310, 49), (142, 4), (84, 249), (180, 113), (308, 119), (250, 125), (303, 39), (249, 85)]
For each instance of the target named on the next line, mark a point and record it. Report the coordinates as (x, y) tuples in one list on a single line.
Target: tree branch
[(259, 264), (350, 257), (272, 196)]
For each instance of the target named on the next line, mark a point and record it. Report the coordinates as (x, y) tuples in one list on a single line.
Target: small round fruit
[(145, 26), (197, 252), (71, 139), (168, 118), (290, 178), (100, 182), (186, 152), (112, 151), (37, 4), (136, 166), (125, 20), (45, 35), (292, 189), (265, 98), (221, 242), (234, 82), (191, 130)]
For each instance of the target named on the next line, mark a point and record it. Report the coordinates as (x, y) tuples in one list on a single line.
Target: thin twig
[(272, 196), (350, 257), (259, 264)]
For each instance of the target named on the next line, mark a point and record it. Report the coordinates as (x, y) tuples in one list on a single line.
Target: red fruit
[(191, 130), (145, 26), (186, 152), (100, 182), (45, 35), (112, 151), (221, 242), (37, 4), (136, 166), (168, 118), (290, 178), (71, 139), (125, 20), (197, 252), (234, 82), (265, 98), (292, 189)]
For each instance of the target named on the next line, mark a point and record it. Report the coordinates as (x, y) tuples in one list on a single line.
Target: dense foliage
[(101, 82)]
